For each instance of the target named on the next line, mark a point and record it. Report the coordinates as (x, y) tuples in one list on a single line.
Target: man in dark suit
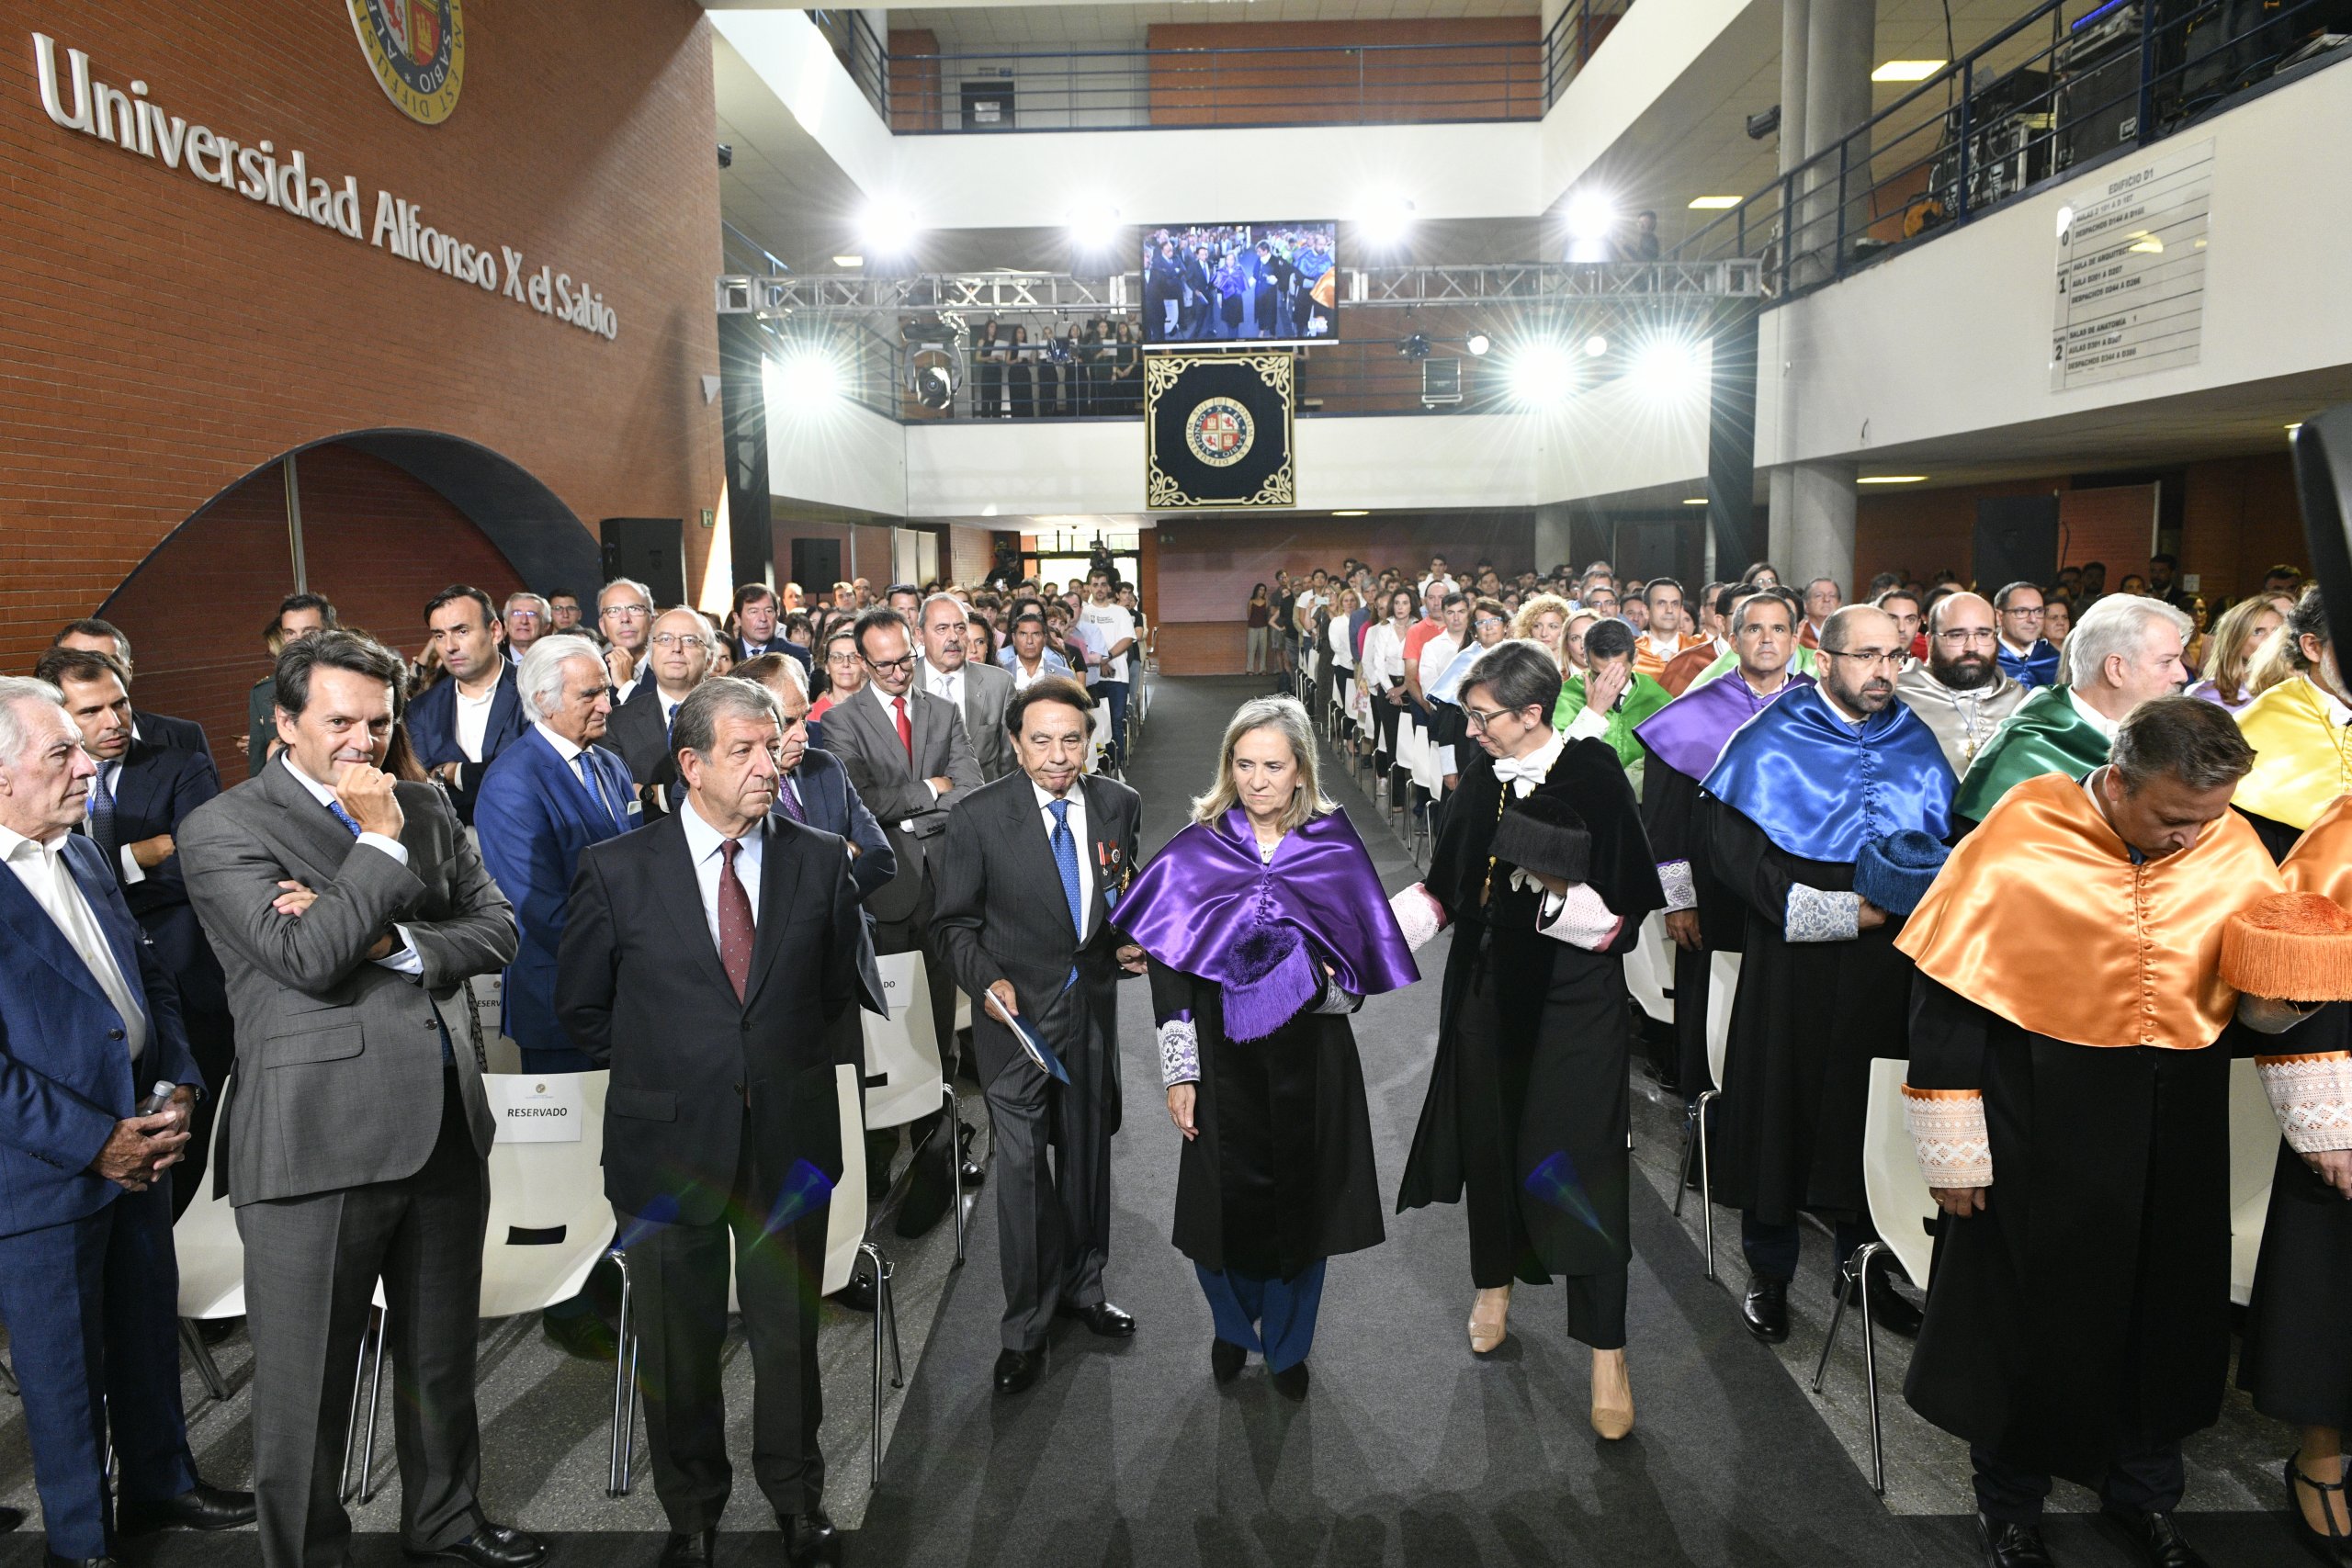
[(758, 628), (976, 689), (89, 1031), (1030, 869), (349, 911), (459, 724), (94, 635), (707, 961), (138, 799), (910, 762), (677, 652), (299, 616)]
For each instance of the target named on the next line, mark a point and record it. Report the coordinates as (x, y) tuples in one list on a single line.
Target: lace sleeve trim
[(1816, 916), (1179, 1052), (1948, 1129), (2311, 1097)]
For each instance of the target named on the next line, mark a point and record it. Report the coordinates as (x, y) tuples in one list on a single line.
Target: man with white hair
[(99, 1087), (624, 617), (526, 617), (677, 655), (2124, 651), (979, 690)]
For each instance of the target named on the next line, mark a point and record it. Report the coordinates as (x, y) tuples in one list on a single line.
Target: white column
[(1819, 538)]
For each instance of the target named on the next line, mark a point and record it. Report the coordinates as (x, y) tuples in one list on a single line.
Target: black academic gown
[(2085, 1311), (1281, 1174), (1528, 1097), (1807, 1022), (1675, 812)]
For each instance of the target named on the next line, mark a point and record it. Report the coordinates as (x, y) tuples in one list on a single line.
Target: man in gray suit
[(977, 690), (1030, 870), (349, 912)]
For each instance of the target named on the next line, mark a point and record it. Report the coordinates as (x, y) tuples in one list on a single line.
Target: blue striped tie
[(1066, 861)]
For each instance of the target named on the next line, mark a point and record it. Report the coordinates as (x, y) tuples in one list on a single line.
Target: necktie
[(594, 776), (1066, 860), (734, 920), (906, 729), (346, 817), (102, 822), (790, 802)]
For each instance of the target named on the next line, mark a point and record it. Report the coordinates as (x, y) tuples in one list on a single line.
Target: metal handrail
[(1569, 43)]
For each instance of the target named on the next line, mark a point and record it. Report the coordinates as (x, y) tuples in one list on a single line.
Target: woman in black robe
[(1266, 927), (1528, 1099)]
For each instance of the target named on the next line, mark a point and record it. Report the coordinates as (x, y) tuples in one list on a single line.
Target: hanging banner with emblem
[(1218, 431)]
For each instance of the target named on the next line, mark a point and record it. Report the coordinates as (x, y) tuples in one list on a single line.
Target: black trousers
[(678, 1284), (2146, 1478)]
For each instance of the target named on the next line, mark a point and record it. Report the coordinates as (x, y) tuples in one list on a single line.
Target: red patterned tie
[(734, 921), (906, 730)]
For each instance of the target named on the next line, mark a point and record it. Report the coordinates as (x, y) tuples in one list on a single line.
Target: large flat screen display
[(1275, 284)]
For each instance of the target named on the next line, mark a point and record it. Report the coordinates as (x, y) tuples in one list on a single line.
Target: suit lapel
[(679, 887), (780, 872), (1029, 826), (312, 836), (123, 943), (22, 913), (134, 788), (505, 703)]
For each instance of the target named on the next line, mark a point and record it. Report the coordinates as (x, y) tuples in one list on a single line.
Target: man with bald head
[(1960, 692), (1823, 990), (677, 654)]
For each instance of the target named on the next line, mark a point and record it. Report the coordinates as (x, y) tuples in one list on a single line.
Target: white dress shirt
[(703, 842), (1080, 840), (2092, 716), (41, 867), (473, 720), (945, 685), (404, 958)]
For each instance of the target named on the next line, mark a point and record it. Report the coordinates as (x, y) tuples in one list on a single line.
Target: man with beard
[(1960, 693), (1683, 740), (2070, 1103), (2122, 652), (1821, 990)]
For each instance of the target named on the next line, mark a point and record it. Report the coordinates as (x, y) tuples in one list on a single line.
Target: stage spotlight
[(1479, 343), (1590, 216), (888, 226), (1667, 368), (1093, 226), (805, 380), (1595, 346), (1542, 373), (934, 389), (1417, 346), (1386, 221)]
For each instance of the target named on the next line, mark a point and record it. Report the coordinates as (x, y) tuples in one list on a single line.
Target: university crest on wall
[(1218, 431), (417, 51)]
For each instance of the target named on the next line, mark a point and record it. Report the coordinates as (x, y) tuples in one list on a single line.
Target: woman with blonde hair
[(2232, 649), (1266, 926), (1541, 620)]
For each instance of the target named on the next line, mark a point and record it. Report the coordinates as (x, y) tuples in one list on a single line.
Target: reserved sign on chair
[(547, 1108)]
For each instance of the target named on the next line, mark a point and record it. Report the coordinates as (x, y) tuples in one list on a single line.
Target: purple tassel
[(1276, 976)]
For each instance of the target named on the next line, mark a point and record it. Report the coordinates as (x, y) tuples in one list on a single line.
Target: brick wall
[(1436, 69), (162, 337)]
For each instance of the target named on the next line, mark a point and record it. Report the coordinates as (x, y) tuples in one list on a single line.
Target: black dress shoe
[(490, 1546), (200, 1508), (1101, 1318), (10, 1518), (1225, 1360), (1016, 1369), (859, 1294), (2011, 1546), (696, 1550), (1765, 1310), (214, 1330), (1890, 1308), (1291, 1381), (580, 1334), (2158, 1538), (810, 1538), (51, 1560)]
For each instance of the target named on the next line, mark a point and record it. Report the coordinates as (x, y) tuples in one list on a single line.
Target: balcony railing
[(2070, 84)]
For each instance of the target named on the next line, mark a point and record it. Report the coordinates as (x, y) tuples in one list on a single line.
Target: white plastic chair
[(1901, 1208), (1649, 964), (211, 1262), (1722, 987), (2254, 1160)]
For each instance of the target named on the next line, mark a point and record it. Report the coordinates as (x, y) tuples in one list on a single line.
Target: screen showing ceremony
[(1270, 283)]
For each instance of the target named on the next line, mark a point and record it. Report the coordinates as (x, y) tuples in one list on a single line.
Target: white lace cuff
[(1816, 916), (1179, 1052), (1417, 914), (1579, 918), (1948, 1129), (2311, 1097), (1674, 875)]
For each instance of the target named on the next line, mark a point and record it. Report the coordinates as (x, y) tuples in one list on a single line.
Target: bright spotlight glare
[(1385, 221), (805, 380), (1479, 343), (887, 228), (1667, 369), (1094, 226), (1590, 216), (1595, 346), (1543, 373)]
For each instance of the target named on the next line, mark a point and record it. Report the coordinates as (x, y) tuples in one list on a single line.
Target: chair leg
[(8, 1378), (216, 1387), (351, 1427), (888, 1300), (955, 1159), (623, 1439), (1855, 1276), (1707, 1178), (873, 1256), (375, 1400)]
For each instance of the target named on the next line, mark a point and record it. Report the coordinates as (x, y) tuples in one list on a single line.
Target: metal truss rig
[(1397, 288)]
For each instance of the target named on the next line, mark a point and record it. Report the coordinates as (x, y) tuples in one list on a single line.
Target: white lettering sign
[(2131, 272), (257, 171), (535, 1109)]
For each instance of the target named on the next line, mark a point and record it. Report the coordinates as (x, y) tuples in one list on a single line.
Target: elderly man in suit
[(96, 1083), (716, 1016), (95, 635), (460, 725), (1029, 869), (140, 796), (977, 690), (677, 655), (910, 761), (349, 911)]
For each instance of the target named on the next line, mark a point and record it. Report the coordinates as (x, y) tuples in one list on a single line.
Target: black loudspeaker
[(816, 565), (2323, 458), (2016, 541), (650, 549), (2098, 107)]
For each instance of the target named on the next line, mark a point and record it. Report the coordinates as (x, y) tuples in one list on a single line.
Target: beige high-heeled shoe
[(1488, 1331), (1612, 1396)]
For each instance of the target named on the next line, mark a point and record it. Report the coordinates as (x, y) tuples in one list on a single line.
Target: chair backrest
[(1649, 965), (1897, 1189), (903, 1075), (2254, 1160), (845, 1217), (1723, 989), (211, 1253), (549, 1220)]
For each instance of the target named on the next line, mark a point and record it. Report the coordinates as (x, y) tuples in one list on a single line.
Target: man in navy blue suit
[(88, 1283), (460, 725), (758, 627), (94, 635)]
